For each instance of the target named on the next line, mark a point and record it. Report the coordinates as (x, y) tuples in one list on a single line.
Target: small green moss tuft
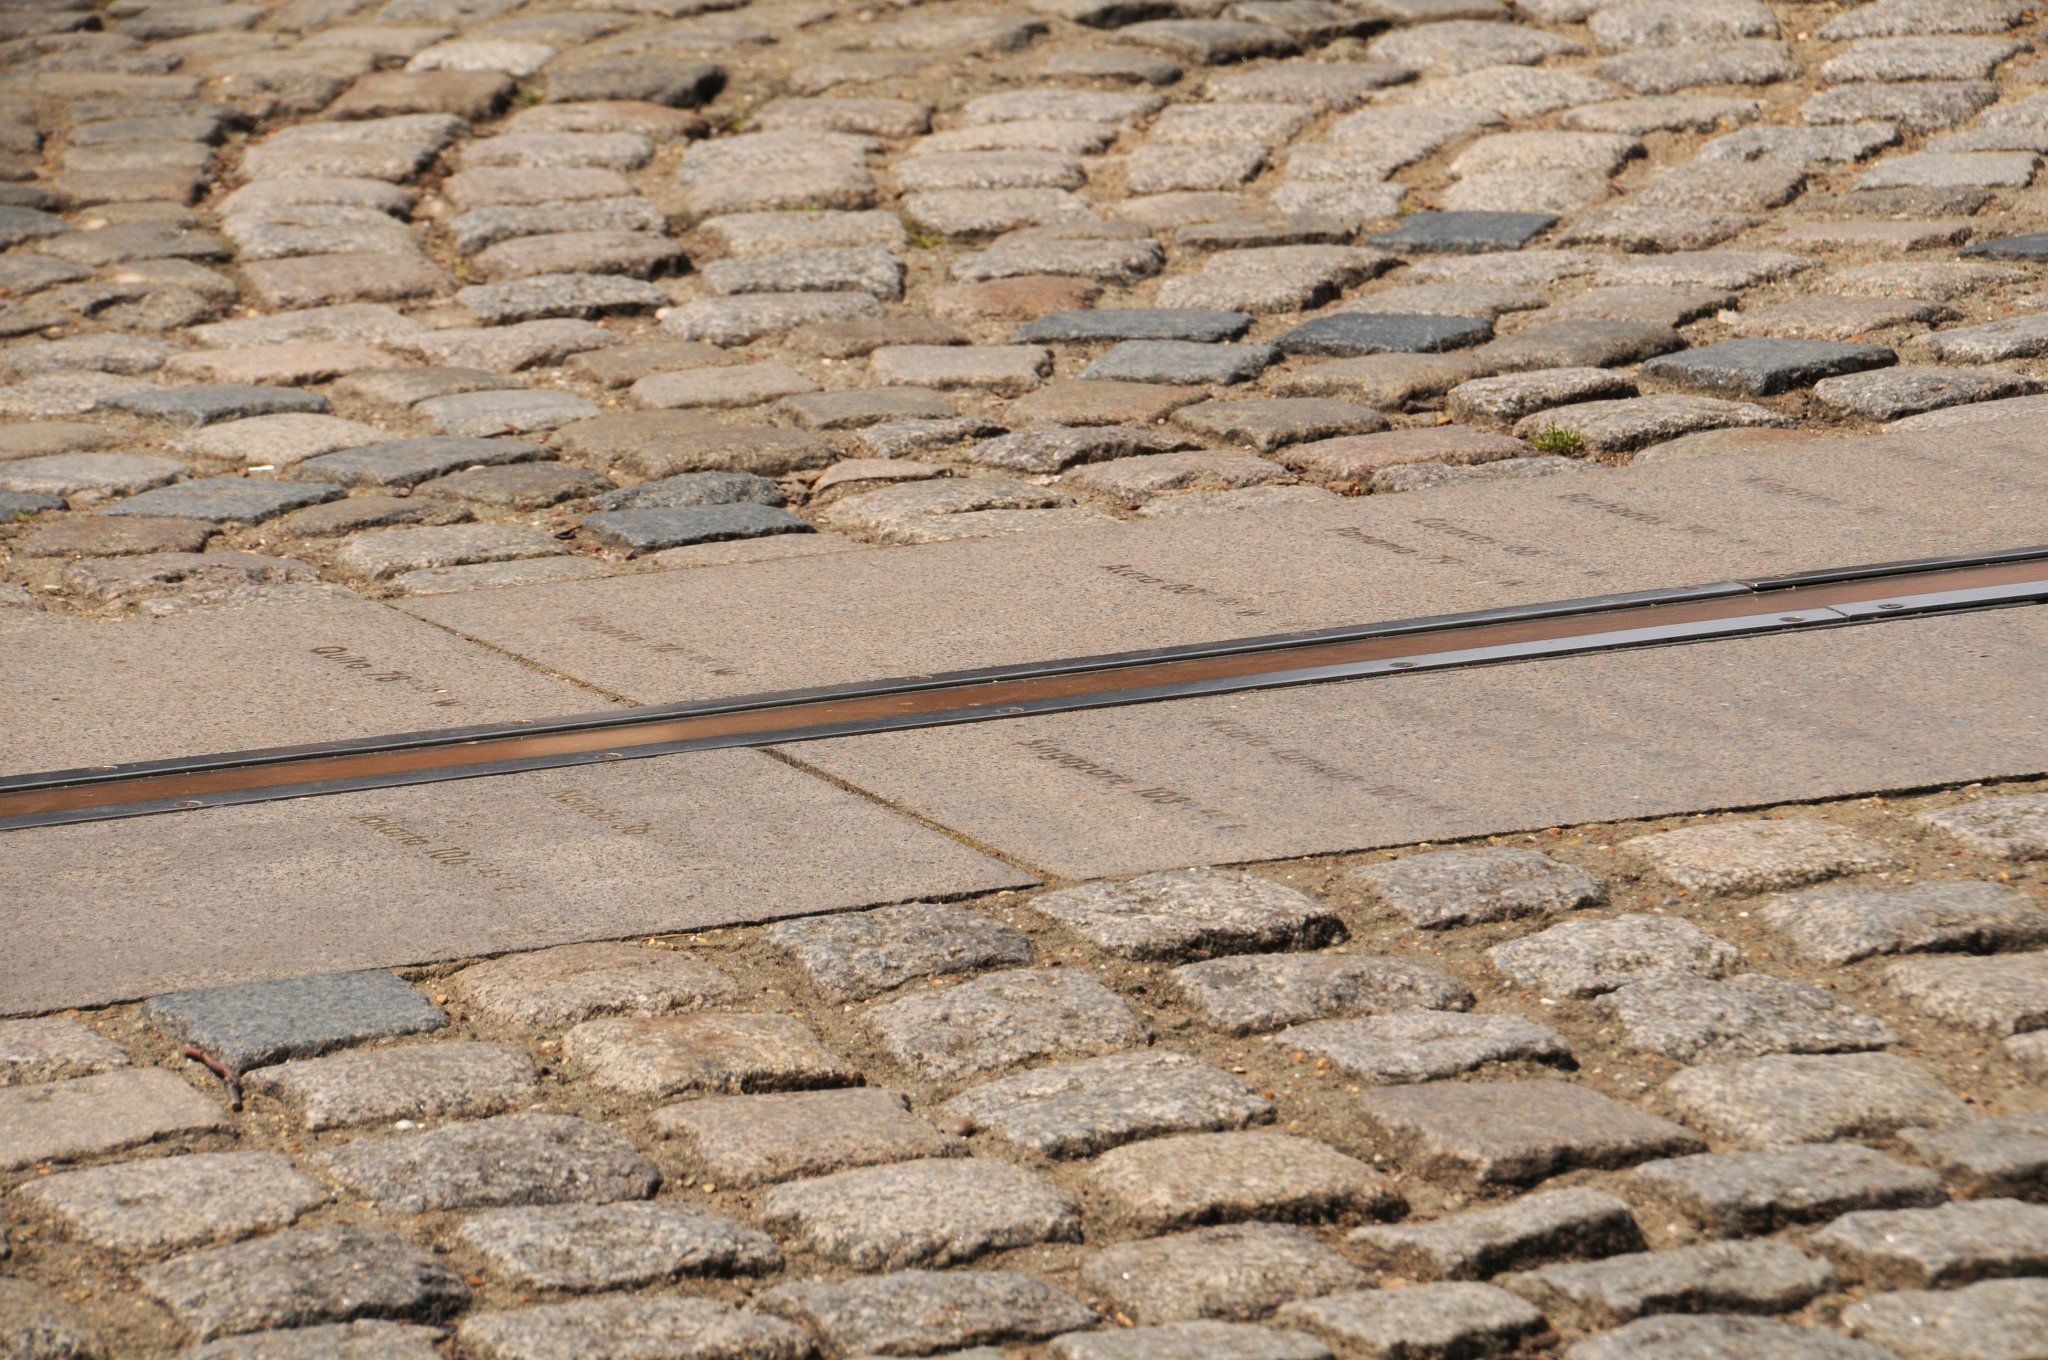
[(920, 238), (1558, 440)]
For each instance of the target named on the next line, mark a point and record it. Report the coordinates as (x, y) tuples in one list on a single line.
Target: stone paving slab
[(1174, 580), (1398, 760), (304, 664), (509, 863)]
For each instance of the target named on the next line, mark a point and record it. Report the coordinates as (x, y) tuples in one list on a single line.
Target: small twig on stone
[(221, 1070)]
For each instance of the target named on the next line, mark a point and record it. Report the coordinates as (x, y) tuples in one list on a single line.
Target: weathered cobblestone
[(37, 1324), (1587, 957), (1726, 1337), (301, 1278), (64, 1120), (1783, 1099), (858, 956), (1253, 994), (1192, 914), (920, 1213), (1001, 1020), (758, 1140), (153, 1207), (1428, 1320), (2001, 1156), (426, 1081), (918, 1312), (1740, 1193), (1425, 1045), (53, 1048), (1947, 1245), (713, 1052), (1181, 1182), (606, 1246), (1718, 1277), (1513, 1132), (531, 1158), (632, 1324), (1077, 1109), (1995, 1318), (1757, 856), (2005, 828), (1236, 1272), (2007, 994), (1691, 1019), (1549, 1225), (1838, 925)]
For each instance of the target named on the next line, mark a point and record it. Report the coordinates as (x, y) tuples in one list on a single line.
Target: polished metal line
[(1552, 629)]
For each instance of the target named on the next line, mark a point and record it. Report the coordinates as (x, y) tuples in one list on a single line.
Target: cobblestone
[(1546, 1226), (1737, 857), (1469, 887), (1725, 1337), (580, 1247), (85, 1116), (1587, 957), (1716, 1277), (1514, 1132), (418, 1082), (1426, 1045), (1995, 1318), (531, 1158), (302, 1278), (1192, 914), (2003, 995), (1950, 1244), (1782, 1099), (1235, 1272), (1742, 1193), (1841, 924), (919, 1312), (746, 1141), (708, 1051), (2003, 828), (1002, 1020), (1988, 1157), (1251, 995), (165, 1204), (1428, 1320), (919, 1213), (53, 1048), (637, 1324), (1081, 1108), (1691, 1019), (857, 957)]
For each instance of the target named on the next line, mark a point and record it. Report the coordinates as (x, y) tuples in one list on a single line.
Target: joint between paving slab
[(1044, 876), (611, 696)]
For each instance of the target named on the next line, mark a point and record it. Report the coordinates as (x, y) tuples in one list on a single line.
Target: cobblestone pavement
[(1724, 1086), (431, 295), (428, 296)]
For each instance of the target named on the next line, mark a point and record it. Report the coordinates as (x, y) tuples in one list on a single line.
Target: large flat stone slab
[(1436, 757), (133, 908), (733, 630), (304, 664)]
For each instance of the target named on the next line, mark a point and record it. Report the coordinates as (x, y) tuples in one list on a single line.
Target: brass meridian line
[(1695, 615)]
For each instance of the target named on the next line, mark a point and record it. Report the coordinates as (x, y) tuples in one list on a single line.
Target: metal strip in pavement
[(1736, 608)]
